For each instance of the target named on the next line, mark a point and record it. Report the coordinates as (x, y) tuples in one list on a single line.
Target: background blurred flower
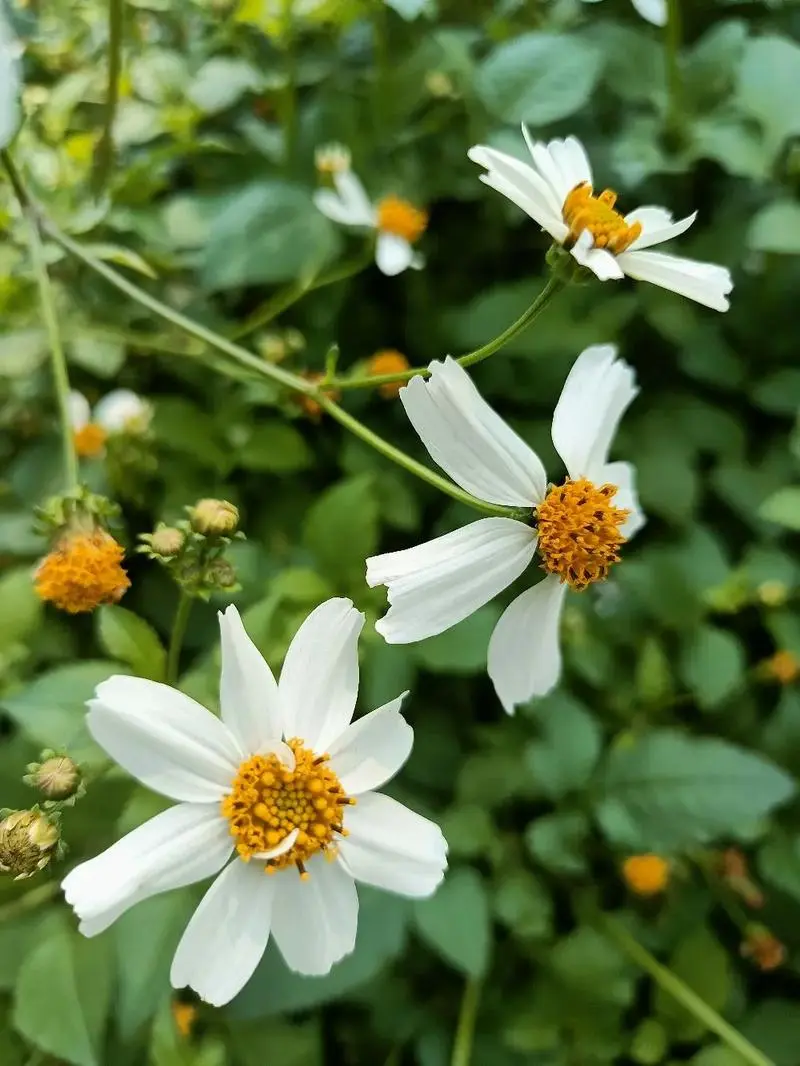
[(120, 411)]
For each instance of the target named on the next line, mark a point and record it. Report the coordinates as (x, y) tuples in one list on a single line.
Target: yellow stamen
[(388, 361), (82, 572), (578, 527), (90, 440), (184, 1015), (584, 211), (401, 218), (268, 802), (646, 875)]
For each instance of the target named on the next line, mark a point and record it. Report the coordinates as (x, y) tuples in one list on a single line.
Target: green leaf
[(98, 355), (783, 507), (703, 964), (769, 85), (522, 903), (21, 351), (221, 82), (776, 228), (341, 527), (276, 448), (21, 607), (588, 962), (131, 640), (774, 1027), (62, 997), (538, 77), (557, 841), (266, 233), (666, 791), (563, 760), (779, 864), (456, 923), (712, 665), (461, 649)]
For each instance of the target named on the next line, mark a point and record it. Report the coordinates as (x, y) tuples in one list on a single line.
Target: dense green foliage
[(666, 735)]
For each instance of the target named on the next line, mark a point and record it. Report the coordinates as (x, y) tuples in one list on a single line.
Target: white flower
[(557, 192), (301, 808), (10, 82), (578, 528), (119, 411), (332, 158), (398, 223)]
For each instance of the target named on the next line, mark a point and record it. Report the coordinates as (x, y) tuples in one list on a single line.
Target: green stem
[(59, 361), (16, 908), (465, 1032), (672, 48), (289, 116), (105, 149), (554, 285), (413, 467), (680, 992), (179, 624)]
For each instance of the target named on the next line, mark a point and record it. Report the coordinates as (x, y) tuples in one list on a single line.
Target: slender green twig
[(672, 48), (104, 156), (680, 992), (16, 908), (179, 624), (58, 358), (289, 116), (554, 285), (465, 1032)]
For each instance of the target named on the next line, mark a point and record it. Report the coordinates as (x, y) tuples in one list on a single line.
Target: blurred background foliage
[(675, 727)]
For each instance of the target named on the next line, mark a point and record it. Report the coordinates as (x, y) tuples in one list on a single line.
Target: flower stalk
[(105, 149), (672, 47), (465, 1032), (179, 624)]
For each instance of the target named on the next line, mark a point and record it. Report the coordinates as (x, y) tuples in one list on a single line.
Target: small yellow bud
[(773, 593), (214, 518), (57, 778), (646, 875), (167, 541), (27, 841)]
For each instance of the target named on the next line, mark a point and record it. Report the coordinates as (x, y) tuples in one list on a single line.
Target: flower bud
[(215, 518), (167, 541), (760, 945), (57, 778), (222, 574), (27, 842)]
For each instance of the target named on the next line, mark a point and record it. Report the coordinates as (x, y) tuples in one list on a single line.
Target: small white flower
[(557, 192), (333, 158), (578, 528), (10, 81), (302, 808), (119, 411), (398, 223)]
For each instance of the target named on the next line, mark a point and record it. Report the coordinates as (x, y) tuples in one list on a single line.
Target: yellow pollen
[(578, 527), (82, 572), (267, 802), (388, 361), (89, 440), (584, 211), (401, 218)]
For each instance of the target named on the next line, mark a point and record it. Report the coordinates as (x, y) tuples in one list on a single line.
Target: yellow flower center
[(646, 875), (388, 361), (578, 529), (90, 440), (268, 802), (82, 572), (584, 211), (401, 218)]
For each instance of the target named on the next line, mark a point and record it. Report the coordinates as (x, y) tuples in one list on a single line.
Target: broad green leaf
[(20, 606), (769, 84), (712, 665), (557, 841), (538, 77), (704, 965), (649, 1043), (564, 758), (341, 528), (275, 448), (666, 790), (221, 82), (779, 864), (131, 640), (776, 228), (62, 997), (774, 1027), (456, 922), (588, 962), (101, 356), (21, 351), (523, 904), (783, 507)]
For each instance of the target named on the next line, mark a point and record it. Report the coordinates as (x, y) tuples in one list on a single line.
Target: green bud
[(27, 842)]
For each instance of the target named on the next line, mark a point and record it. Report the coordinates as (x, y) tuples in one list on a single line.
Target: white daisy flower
[(302, 808), (579, 524), (10, 82), (119, 411), (398, 223), (557, 192)]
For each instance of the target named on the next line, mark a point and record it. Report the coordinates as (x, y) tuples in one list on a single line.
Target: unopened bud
[(222, 574), (27, 842), (766, 951), (167, 541), (214, 518), (57, 778), (773, 593)]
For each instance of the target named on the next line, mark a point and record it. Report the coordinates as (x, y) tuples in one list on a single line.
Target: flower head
[(646, 875), (57, 777), (283, 784), (398, 223), (28, 840), (83, 571), (557, 191), (120, 411), (388, 361), (577, 526), (333, 158)]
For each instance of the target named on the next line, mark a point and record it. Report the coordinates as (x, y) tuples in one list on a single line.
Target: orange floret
[(82, 572)]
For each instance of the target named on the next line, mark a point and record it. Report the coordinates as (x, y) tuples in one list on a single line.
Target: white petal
[(600, 261), (524, 653), (80, 412), (227, 935), (623, 475), (550, 223), (280, 849), (315, 921), (706, 283), (573, 163), (523, 185), (354, 197), (249, 700), (393, 254), (333, 208), (184, 844), (165, 739), (597, 392), (372, 750), (434, 585), (657, 226), (120, 409), (10, 83), (654, 11), (319, 680), (392, 847), (469, 440)]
